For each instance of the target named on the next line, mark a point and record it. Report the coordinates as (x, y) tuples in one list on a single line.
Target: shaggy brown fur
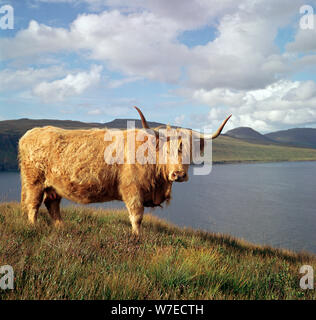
[(57, 163)]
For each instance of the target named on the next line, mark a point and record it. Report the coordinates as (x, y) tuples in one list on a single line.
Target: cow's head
[(175, 147)]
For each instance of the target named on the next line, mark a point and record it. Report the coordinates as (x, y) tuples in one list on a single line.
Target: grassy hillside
[(94, 257), (227, 149)]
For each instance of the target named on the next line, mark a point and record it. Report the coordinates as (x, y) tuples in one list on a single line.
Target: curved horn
[(218, 132), (144, 122)]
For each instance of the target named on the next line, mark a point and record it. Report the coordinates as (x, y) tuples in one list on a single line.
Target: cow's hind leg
[(33, 200), (52, 203)]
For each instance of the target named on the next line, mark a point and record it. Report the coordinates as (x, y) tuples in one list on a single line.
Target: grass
[(94, 257), (227, 149)]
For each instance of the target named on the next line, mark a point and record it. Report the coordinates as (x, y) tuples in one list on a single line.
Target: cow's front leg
[(134, 203), (136, 217)]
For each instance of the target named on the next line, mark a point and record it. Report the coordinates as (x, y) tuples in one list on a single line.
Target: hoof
[(58, 224), (31, 221), (136, 237)]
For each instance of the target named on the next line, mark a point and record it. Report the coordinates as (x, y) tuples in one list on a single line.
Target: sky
[(184, 62)]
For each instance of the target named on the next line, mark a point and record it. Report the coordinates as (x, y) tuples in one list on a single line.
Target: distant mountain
[(20, 126), (249, 135), (297, 137), (302, 137), (122, 123)]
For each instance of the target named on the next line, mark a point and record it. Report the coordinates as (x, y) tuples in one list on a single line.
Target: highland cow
[(56, 163)]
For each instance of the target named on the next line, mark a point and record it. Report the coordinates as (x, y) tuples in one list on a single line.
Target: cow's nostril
[(178, 175)]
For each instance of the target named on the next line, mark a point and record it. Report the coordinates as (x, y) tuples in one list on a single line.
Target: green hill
[(94, 257)]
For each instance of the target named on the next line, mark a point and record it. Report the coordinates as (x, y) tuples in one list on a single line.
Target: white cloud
[(69, 86), (244, 55), (118, 83), (22, 79), (284, 103), (110, 110), (304, 41), (36, 39), (218, 96), (187, 14), (95, 111), (302, 92), (178, 121), (139, 44)]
